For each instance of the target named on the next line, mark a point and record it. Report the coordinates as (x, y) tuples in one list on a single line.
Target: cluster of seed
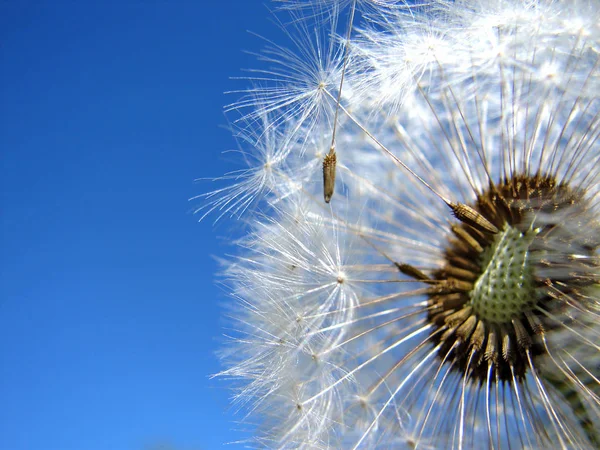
[(484, 301)]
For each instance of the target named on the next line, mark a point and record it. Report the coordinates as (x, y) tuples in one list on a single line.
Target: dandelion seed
[(330, 160)]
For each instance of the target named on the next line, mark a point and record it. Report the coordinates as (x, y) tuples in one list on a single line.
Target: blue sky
[(109, 313)]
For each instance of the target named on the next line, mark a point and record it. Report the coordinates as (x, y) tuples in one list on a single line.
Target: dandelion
[(449, 295)]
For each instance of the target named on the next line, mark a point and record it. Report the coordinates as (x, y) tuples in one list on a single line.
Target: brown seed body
[(329, 164)]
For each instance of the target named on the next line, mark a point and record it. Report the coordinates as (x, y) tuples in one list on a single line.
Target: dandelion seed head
[(449, 294)]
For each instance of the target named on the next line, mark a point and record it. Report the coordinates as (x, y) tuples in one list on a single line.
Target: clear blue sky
[(109, 313)]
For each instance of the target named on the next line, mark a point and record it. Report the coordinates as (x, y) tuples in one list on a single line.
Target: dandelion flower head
[(446, 292)]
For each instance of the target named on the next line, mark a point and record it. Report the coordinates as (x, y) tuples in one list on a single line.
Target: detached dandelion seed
[(450, 296)]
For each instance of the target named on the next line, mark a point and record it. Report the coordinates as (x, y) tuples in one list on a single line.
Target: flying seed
[(329, 163), (471, 217)]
